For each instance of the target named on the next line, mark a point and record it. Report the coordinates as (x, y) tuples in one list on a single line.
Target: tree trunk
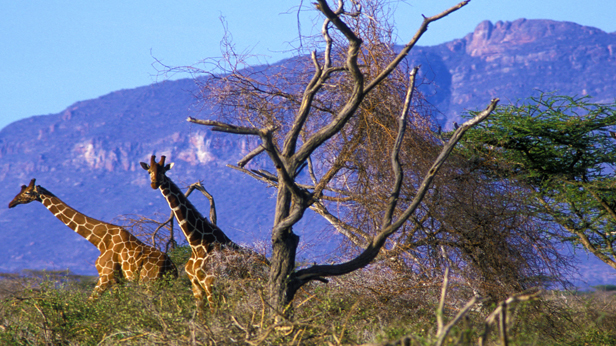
[(284, 248)]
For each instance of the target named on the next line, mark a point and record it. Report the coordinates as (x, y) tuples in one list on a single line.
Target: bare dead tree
[(296, 123), (465, 213), (493, 236)]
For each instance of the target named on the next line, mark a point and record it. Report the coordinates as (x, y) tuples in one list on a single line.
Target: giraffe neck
[(83, 225), (197, 229)]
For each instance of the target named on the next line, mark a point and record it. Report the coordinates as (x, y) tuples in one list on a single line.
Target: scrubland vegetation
[(374, 306), (463, 257)]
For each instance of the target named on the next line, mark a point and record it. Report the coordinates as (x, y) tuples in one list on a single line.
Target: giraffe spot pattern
[(121, 252), (208, 243)]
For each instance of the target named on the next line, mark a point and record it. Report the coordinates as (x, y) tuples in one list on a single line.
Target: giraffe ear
[(144, 165), (169, 166)]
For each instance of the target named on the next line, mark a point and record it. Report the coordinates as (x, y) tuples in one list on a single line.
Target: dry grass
[(370, 306)]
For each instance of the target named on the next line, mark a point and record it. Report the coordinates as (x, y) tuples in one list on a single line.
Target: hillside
[(512, 60), (89, 154)]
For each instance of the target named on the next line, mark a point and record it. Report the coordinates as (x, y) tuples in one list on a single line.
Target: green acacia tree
[(563, 150)]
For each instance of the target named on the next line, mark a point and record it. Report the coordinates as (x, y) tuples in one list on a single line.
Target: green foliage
[(549, 139), (340, 312), (62, 314), (180, 255), (605, 288), (563, 151)]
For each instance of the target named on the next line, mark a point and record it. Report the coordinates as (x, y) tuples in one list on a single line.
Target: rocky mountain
[(513, 60), (89, 154)]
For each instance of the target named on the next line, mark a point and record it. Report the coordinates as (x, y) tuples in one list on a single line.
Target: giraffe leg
[(196, 274), (105, 276), (198, 294), (101, 286), (207, 285)]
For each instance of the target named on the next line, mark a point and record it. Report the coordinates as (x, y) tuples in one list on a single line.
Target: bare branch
[(319, 78), (440, 160), (345, 229), (329, 175), (313, 176), (352, 103), (198, 186), (272, 180), (256, 151), (327, 56), (266, 174), (335, 19), (407, 48), (501, 310), (255, 175), (304, 110), (358, 92), (441, 303), (445, 331), (283, 174), (158, 228), (268, 144), (319, 271), (222, 127), (395, 160)]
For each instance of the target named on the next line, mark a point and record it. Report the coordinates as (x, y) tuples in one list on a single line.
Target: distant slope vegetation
[(89, 154)]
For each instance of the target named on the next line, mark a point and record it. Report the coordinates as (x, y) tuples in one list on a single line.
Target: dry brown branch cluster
[(349, 136)]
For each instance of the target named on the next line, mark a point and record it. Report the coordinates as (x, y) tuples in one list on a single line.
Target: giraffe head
[(157, 170), (26, 195)]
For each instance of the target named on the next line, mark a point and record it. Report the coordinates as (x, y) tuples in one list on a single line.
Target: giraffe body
[(206, 240), (121, 252)]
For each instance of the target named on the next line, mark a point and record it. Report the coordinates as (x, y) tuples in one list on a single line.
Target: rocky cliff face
[(89, 154), (513, 60)]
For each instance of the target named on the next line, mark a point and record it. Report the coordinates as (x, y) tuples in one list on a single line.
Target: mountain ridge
[(88, 154)]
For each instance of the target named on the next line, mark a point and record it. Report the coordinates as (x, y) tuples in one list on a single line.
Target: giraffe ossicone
[(120, 250), (208, 242)]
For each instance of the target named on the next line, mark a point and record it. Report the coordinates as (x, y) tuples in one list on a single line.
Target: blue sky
[(54, 53)]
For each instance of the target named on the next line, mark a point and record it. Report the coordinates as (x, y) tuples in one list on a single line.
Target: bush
[(369, 306)]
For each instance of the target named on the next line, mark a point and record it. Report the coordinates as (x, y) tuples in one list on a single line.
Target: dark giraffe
[(120, 250), (206, 240)]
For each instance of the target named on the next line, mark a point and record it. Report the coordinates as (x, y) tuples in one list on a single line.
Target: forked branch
[(199, 186), (442, 329), (169, 221), (359, 90), (407, 48), (500, 313), (372, 250)]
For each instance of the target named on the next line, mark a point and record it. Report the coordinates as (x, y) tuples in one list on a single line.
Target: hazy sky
[(57, 52)]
